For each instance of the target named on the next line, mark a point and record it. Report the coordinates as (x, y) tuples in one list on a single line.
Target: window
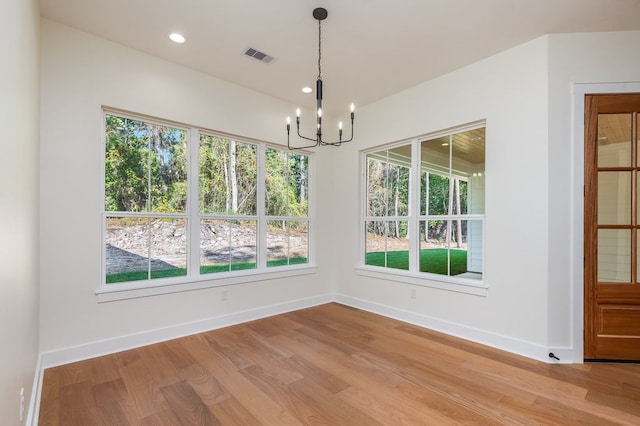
[(287, 207), (183, 204), (145, 200), (424, 211), (227, 200)]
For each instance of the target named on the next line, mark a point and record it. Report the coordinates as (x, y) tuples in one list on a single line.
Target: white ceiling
[(370, 48)]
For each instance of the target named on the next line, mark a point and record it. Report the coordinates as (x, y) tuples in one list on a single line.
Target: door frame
[(578, 92)]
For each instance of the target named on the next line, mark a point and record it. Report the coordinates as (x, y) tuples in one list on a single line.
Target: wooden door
[(612, 225)]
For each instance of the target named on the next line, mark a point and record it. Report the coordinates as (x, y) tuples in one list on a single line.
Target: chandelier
[(320, 14)]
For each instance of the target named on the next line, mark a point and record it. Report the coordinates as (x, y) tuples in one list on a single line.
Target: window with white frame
[(247, 202), (424, 209)]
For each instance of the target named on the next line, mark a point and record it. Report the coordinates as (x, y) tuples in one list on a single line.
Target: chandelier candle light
[(320, 14)]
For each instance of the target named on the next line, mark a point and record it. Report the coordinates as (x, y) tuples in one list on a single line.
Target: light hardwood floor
[(334, 365)]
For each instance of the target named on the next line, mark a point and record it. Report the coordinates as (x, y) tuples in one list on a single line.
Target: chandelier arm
[(340, 142), (300, 147), (309, 139)]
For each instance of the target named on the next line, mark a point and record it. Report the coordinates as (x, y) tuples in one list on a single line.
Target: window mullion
[(193, 203), (261, 209), (414, 208)]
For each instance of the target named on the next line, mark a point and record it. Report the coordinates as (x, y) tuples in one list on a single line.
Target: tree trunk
[(303, 183), (226, 183)]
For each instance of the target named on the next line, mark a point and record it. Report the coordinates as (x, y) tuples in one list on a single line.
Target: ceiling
[(370, 48)]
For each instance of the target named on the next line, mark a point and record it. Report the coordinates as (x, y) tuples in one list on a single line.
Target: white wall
[(575, 58), (80, 74), (509, 90), (19, 115)]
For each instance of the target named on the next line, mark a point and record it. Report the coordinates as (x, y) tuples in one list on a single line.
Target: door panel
[(612, 227)]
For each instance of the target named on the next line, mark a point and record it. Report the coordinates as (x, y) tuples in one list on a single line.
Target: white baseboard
[(122, 343), (509, 344), (36, 391)]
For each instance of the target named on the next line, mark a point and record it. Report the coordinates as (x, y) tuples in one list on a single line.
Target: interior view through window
[(450, 217)]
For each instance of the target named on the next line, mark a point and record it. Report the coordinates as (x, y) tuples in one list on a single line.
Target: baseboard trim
[(33, 411), (118, 344), (509, 344), (131, 341)]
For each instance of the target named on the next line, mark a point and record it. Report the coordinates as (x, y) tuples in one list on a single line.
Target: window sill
[(459, 285), (113, 292)]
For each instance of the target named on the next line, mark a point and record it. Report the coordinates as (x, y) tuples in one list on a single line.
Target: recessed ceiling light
[(307, 89), (177, 37)]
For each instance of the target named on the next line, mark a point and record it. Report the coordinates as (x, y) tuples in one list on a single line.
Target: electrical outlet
[(21, 415), (413, 293), (224, 296)]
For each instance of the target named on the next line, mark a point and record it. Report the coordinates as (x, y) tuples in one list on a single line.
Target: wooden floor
[(333, 365)]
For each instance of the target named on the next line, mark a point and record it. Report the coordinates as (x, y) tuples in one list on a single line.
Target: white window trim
[(413, 276), (194, 280)]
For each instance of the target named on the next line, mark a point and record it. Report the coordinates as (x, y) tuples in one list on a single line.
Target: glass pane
[(452, 174), (126, 160), (227, 245), (436, 168), (168, 163), (439, 188), (387, 244), (475, 246), (614, 255), (376, 233), (287, 242), (438, 233), (614, 198), (460, 256), (298, 180), (475, 193), (434, 247), (388, 182), (614, 140), (127, 249), (168, 247), (143, 248), (286, 183), (228, 176)]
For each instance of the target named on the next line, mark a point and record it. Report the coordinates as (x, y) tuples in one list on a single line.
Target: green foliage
[(227, 166), (387, 195), (145, 166), (431, 260), (286, 183), (440, 187)]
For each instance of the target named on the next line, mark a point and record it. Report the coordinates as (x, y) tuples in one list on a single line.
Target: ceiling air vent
[(260, 56)]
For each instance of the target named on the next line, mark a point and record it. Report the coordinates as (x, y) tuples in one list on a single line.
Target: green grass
[(208, 269), (431, 260)]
